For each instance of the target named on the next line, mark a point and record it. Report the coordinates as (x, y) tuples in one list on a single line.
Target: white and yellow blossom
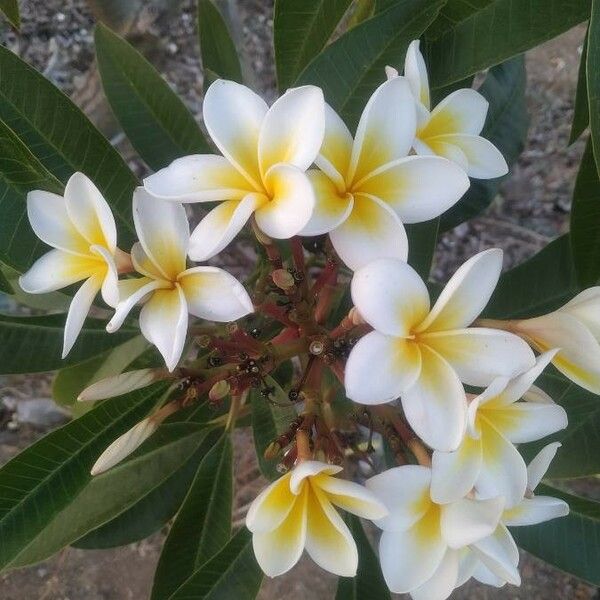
[(298, 512), (266, 152), (452, 128), (422, 354), (81, 229), (487, 458), (368, 186), (169, 290)]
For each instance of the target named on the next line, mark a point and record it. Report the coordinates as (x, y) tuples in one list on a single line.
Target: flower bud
[(121, 384), (219, 390), (355, 317), (283, 279)]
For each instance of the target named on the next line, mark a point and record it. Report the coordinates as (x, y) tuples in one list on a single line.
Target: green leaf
[(422, 239), (111, 493), (153, 117), (34, 344), (301, 30), (63, 139), (581, 116), (203, 524), (493, 34), (593, 78), (10, 8), (5, 286), (506, 127), (219, 56), (361, 11), (368, 583), (571, 543), (270, 418), (232, 573), (350, 68), (43, 480), (539, 285), (453, 13), (585, 221)]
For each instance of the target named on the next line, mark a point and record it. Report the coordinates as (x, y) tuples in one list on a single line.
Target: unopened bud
[(121, 384), (356, 317), (390, 72), (272, 450), (219, 390), (283, 279)]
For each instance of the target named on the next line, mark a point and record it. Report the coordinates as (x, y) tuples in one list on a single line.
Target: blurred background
[(532, 208)]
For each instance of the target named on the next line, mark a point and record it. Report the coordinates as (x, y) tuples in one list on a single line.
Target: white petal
[(386, 129), (531, 511), (390, 296), (499, 554), (435, 405), (467, 292), (143, 264), (110, 283), (89, 212), (233, 115), (131, 291), (334, 155), (468, 520), (198, 178), (218, 228), (310, 468), (212, 293), (78, 311), (463, 111), (373, 230), (418, 188), (441, 147), (351, 497), (415, 72), (290, 205), (405, 493), (292, 130), (468, 561), (271, 506), (586, 308), (163, 321), (540, 463), (380, 368), (163, 230), (528, 421), (442, 583), (482, 574)]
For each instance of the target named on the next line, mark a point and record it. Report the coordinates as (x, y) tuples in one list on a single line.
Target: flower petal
[(163, 321), (386, 129), (479, 354), (435, 405), (466, 294), (291, 203), (310, 468), (482, 574), (441, 147), (271, 506), (499, 553), (89, 212), (334, 155), (351, 497), (586, 308), (531, 511), (292, 130), (380, 368), (373, 230), (212, 293), (415, 72), (418, 188), (131, 291), (390, 296), (540, 463), (233, 115), (110, 282), (331, 208), (78, 311), (468, 520), (143, 264), (198, 178), (442, 583), (218, 228)]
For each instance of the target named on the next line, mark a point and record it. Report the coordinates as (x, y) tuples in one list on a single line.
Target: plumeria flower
[(368, 186), (421, 541), (298, 512), (423, 354), (266, 152), (487, 458), (81, 229), (452, 128), (169, 290)]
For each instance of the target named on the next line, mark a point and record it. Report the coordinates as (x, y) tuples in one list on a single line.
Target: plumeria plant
[(402, 428)]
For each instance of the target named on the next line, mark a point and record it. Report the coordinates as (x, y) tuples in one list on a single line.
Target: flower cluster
[(295, 170)]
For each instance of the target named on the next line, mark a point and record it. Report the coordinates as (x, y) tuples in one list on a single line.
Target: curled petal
[(78, 311), (310, 468), (143, 264), (334, 155), (351, 497), (271, 506), (415, 72), (131, 291), (531, 511), (110, 282), (538, 466), (499, 553)]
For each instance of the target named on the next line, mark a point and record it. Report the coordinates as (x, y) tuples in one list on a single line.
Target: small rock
[(42, 412)]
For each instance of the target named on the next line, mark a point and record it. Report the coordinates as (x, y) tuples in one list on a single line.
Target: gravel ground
[(531, 209)]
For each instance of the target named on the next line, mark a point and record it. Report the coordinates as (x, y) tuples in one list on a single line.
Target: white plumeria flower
[(487, 458), (266, 152), (81, 229), (168, 289), (421, 541), (298, 512), (423, 354), (575, 329), (369, 186), (452, 128)]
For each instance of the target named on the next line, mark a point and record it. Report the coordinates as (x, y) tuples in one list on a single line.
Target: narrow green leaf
[(270, 418), (571, 543), (585, 221), (203, 525), (219, 56), (593, 78), (581, 115), (368, 583), (497, 32), (232, 573), (43, 480), (453, 13), (363, 10), (301, 30), (34, 344), (350, 68), (62, 138), (153, 117), (422, 239), (5, 286), (506, 127), (10, 8)]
